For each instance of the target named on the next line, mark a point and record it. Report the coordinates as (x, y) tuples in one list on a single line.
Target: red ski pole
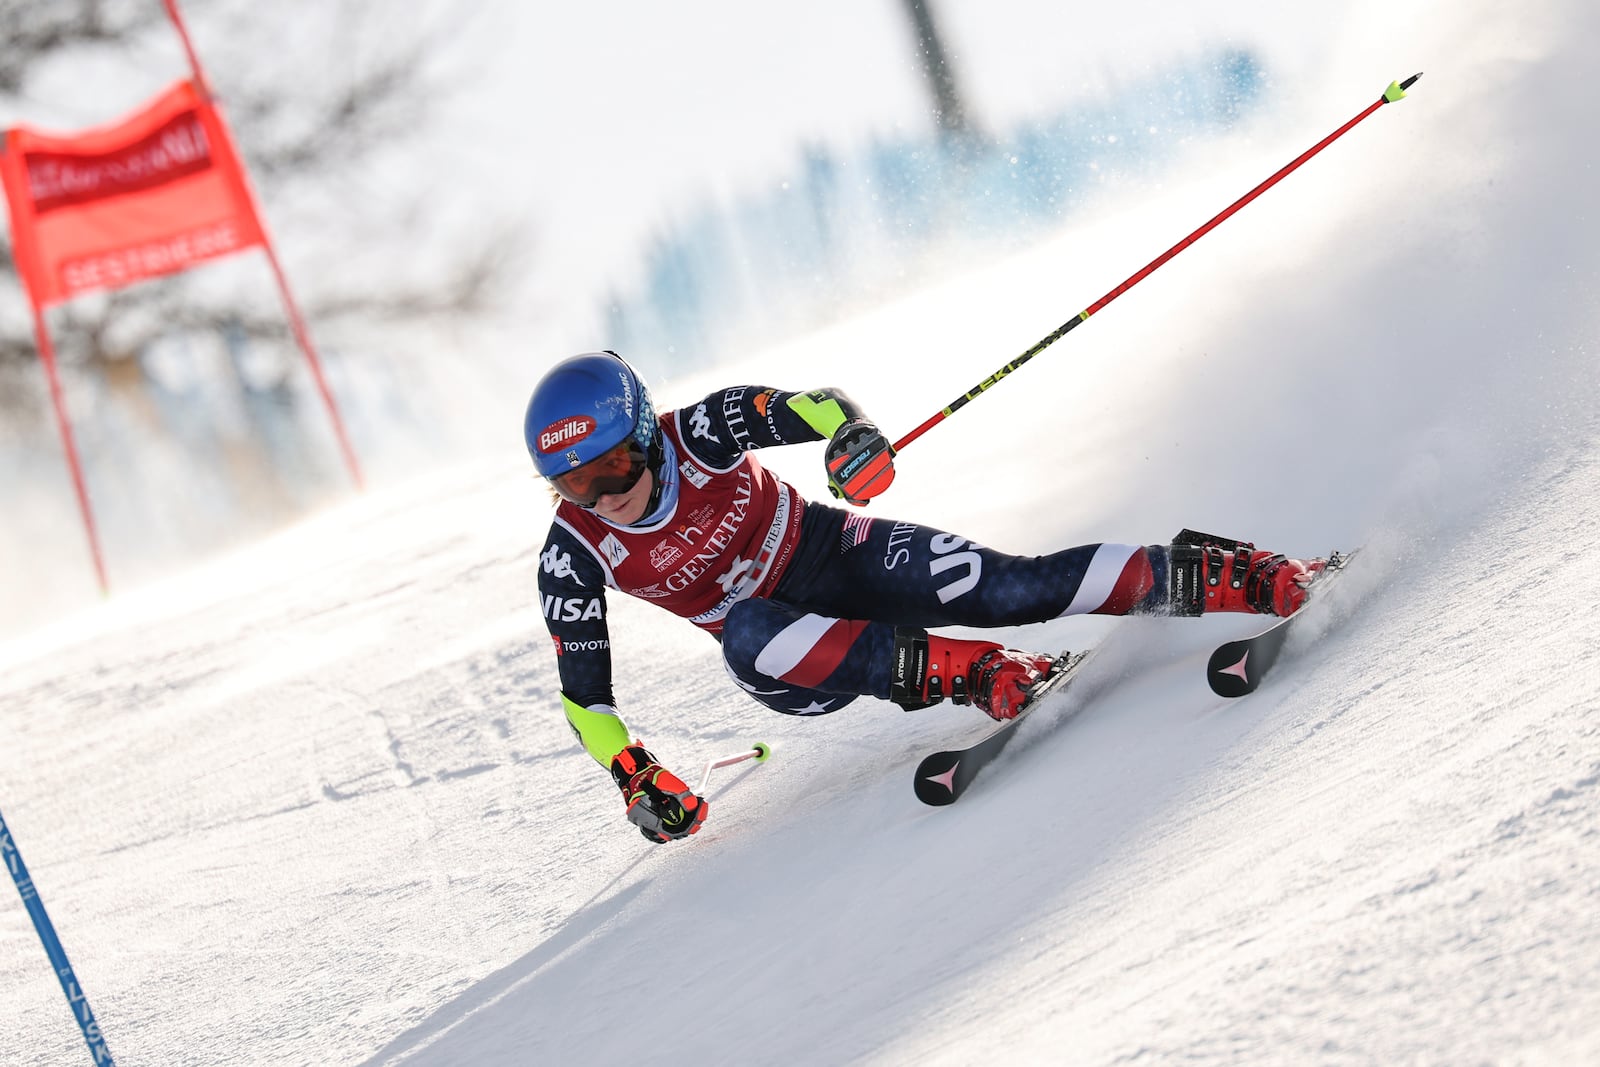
[(1394, 92)]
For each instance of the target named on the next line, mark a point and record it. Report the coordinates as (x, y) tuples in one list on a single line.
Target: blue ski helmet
[(584, 407)]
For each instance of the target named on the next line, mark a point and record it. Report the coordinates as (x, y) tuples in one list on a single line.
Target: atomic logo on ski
[(947, 779), (1237, 670)]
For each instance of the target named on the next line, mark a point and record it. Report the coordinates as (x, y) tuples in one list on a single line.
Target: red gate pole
[(297, 323), (47, 356)]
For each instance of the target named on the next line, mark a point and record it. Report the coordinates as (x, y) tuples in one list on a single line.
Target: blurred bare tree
[(325, 128), (957, 125)]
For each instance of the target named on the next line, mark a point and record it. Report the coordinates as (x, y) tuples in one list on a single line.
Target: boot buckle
[(1241, 564)]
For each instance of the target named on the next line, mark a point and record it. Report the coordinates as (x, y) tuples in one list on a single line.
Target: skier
[(813, 605)]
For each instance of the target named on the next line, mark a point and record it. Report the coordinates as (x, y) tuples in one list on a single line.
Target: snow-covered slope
[(315, 803)]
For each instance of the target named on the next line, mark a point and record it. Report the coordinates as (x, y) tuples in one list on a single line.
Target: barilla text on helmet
[(563, 432)]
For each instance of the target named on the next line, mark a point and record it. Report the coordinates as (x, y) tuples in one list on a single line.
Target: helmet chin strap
[(656, 461)]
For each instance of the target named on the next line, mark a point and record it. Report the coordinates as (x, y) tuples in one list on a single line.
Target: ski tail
[(942, 777), (1237, 668)]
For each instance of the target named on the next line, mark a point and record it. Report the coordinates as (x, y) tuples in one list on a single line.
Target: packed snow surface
[(315, 803)]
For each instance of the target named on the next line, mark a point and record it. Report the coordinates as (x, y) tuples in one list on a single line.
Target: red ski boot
[(929, 668), (1222, 575)]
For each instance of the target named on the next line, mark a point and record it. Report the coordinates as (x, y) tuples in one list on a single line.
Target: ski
[(1237, 668), (942, 777)]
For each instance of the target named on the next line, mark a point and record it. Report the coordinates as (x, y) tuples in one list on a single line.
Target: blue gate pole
[(52, 948)]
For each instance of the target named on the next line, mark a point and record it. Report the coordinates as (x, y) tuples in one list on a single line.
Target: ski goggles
[(616, 471)]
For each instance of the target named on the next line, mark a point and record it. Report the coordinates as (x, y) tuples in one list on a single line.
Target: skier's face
[(625, 509)]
